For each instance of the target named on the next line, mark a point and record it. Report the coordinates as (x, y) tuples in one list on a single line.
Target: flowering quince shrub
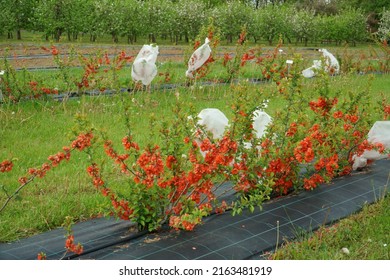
[(309, 142), (233, 64), (372, 62), (100, 72), (82, 142)]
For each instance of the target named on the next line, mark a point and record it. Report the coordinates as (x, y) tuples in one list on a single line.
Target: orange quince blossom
[(82, 141), (323, 105), (128, 143), (71, 247), (41, 256), (6, 166), (54, 51), (313, 181), (246, 57)]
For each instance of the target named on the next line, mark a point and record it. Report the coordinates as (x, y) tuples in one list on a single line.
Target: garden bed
[(246, 236)]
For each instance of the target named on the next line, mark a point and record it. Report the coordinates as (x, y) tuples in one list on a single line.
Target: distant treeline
[(181, 20)]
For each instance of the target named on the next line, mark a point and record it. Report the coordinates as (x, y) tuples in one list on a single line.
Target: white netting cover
[(198, 58), (144, 67), (1, 94), (311, 71), (331, 62), (260, 122), (214, 121), (379, 133)]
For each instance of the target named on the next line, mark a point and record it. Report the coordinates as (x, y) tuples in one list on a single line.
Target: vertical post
[(289, 63), (1, 80)]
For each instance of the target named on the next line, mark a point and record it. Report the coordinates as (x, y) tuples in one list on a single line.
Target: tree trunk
[(115, 38), (19, 34), (229, 38), (57, 35)]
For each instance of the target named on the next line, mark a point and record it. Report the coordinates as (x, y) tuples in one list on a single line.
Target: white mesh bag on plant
[(311, 71), (213, 121), (198, 58), (379, 133), (144, 68), (331, 62), (260, 122)]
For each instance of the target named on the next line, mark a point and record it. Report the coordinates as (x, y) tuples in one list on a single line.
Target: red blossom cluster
[(367, 146), (386, 111), (70, 246), (82, 141), (304, 151), (38, 91), (41, 256), (281, 170), (94, 64), (152, 166), (6, 166), (53, 50), (183, 222), (247, 57), (226, 59), (323, 105), (119, 159), (313, 181), (128, 143), (60, 156), (166, 75)]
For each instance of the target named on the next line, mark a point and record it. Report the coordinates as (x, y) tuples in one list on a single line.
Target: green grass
[(366, 235)]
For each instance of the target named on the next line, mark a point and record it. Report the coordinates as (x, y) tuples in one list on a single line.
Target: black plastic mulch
[(246, 236)]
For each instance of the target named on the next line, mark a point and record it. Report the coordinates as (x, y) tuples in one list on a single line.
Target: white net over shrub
[(332, 65), (144, 67), (379, 133), (198, 58)]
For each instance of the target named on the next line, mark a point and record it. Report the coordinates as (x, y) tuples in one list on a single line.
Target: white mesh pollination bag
[(198, 58), (311, 71), (331, 63), (379, 133), (144, 68), (213, 121), (260, 122), (1, 94)]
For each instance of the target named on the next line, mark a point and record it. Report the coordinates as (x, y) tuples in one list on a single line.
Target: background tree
[(188, 18), (304, 25), (384, 26), (230, 18), (16, 16)]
